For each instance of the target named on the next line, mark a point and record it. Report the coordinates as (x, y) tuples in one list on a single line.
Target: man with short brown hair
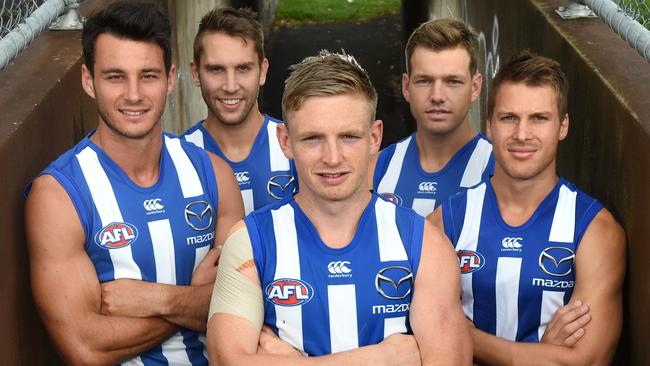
[(445, 155)]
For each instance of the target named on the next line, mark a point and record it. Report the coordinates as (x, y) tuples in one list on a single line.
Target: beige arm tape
[(234, 293)]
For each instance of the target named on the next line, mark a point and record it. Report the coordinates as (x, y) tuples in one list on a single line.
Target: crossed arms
[(105, 324)]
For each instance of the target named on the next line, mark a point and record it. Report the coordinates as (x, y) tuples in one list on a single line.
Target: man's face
[(129, 85), (331, 140), (229, 75), (440, 88), (525, 129)]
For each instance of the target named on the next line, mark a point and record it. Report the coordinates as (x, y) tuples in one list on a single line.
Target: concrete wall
[(607, 152)]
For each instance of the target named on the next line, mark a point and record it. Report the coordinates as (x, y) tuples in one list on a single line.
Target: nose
[(231, 84), (332, 154), (437, 93), (133, 92), (522, 130)]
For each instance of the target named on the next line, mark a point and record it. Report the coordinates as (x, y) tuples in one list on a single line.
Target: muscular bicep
[(231, 207), (600, 269), (64, 281), (436, 316)]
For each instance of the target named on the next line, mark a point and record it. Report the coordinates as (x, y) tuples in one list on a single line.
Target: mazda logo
[(389, 279), (281, 186), (552, 258), (198, 215)]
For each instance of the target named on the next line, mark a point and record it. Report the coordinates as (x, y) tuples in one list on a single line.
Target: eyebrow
[(119, 71)]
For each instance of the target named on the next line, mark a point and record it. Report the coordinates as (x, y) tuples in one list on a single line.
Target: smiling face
[(440, 88), (525, 129), (331, 139), (229, 74), (129, 85)]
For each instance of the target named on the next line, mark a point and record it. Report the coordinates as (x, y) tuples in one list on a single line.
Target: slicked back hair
[(444, 34), (327, 74), (532, 70), (233, 22), (137, 21)]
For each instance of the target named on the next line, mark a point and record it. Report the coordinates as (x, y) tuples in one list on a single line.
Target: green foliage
[(323, 11)]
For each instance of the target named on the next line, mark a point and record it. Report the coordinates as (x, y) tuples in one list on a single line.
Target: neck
[(436, 150), (519, 198), (235, 141), (335, 221), (138, 158)]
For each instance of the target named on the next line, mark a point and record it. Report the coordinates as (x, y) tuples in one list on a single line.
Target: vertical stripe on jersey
[(200, 254), (423, 206), (196, 138), (109, 211), (391, 247), (288, 318), (507, 296), (249, 202), (394, 326), (279, 162), (342, 306), (551, 301), (187, 175), (468, 240), (136, 361), (389, 181), (564, 219), (476, 164), (162, 241)]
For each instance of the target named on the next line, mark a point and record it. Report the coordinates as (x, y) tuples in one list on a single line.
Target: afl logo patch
[(469, 261), (116, 235), (392, 197), (289, 292)]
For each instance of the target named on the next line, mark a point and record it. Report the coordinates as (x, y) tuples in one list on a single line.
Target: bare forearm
[(188, 306), (108, 340), (368, 355), (492, 350)]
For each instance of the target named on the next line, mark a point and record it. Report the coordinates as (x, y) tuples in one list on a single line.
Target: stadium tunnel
[(607, 152)]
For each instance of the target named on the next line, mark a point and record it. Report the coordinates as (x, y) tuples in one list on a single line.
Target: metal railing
[(632, 31), (22, 20), (639, 10)]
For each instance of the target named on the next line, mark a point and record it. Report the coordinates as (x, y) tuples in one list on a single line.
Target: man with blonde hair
[(530, 242), (336, 272), (445, 155)]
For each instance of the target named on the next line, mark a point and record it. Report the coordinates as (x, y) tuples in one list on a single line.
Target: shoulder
[(191, 130)]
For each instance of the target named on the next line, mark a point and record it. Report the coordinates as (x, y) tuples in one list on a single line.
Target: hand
[(271, 344), (206, 271), (401, 350), (566, 326), (126, 297)]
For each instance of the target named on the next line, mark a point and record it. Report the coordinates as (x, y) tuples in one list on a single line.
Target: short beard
[(109, 123), (215, 111)]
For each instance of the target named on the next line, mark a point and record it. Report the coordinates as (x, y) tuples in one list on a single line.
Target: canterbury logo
[(428, 186), (242, 177), (511, 243), (339, 267), (153, 204)]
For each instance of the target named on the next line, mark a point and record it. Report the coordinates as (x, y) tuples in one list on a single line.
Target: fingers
[(566, 326), (571, 340)]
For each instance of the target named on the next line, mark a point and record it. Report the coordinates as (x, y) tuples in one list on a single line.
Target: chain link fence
[(639, 10), (14, 12)]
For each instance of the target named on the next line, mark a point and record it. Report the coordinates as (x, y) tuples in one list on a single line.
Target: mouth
[(522, 153), (332, 177), (437, 113), (230, 103), (133, 114)]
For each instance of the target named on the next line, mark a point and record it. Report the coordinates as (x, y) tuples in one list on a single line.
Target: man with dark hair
[(120, 227), (530, 242), (336, 272), (229, 66), (445, 155)]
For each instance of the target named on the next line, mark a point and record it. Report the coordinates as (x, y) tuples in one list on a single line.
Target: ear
[(263, 70), (194, 69), (376, 134), (283, 138), (405, 87), (87, 81), (477, 83), (171, 79), (564, 127)]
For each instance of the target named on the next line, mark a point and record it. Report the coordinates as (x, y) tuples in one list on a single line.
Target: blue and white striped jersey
[(265, 176), (514, 279), (324, 300), (400, 178), (155, 234)]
